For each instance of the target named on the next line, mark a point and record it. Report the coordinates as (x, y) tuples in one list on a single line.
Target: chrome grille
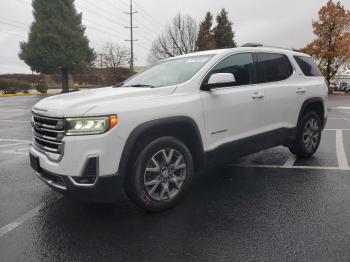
[(48, 134)]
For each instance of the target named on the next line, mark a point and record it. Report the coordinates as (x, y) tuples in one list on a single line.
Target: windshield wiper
[(119, 85), (140, 85)]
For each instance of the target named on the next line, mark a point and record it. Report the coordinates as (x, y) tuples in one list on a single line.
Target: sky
[(282, 23)]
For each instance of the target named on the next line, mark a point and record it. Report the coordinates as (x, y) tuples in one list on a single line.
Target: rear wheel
[(161, 175), (308, 136)]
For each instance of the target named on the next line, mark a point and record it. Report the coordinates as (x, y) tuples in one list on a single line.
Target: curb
[(19, 95)]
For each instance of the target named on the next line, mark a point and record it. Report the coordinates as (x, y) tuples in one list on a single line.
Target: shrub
[(13, 86), (23, 87), (11, 90), (41, 88)]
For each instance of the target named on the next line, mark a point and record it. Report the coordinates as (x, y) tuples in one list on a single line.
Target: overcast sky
[(273, 22)]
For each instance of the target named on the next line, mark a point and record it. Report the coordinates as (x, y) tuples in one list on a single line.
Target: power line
[(143, 47), (143, 35), (114, 5), (11, 34), (106, 13), (124, 3), (102, 28), (11, 20), (99, 15), (23, 2), (115, 22), (149, 17), (148, 27), (4, 23)]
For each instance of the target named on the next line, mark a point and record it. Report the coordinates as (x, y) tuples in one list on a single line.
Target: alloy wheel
[(165, 174), (311, 134)]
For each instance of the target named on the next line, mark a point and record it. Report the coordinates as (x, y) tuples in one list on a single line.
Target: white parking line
[(290, 161), (14, 110), (14, 121), (294, 167), (30, 214), (14, 140), (339, 118), (336, 129), (341, 107), (342, 160), (15, 144), (343, 164), (14, 153)]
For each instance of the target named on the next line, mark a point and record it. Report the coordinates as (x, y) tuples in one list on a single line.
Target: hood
[(79, 103)]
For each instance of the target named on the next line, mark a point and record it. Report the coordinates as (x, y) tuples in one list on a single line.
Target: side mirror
[(219, 80)]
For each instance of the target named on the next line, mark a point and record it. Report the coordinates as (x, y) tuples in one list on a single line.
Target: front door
[(236, 111)]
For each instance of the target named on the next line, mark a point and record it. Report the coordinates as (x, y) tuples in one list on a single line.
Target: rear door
[(236, 111), (273, 73), (313, 82)]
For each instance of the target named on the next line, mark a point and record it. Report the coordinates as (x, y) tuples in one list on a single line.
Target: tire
[(308, 137), (161, 174)]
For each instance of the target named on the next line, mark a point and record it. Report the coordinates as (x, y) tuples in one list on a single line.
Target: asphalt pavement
[(267, 206)]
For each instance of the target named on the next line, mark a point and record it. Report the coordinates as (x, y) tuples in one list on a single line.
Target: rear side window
[(273, 67), (307, 65)]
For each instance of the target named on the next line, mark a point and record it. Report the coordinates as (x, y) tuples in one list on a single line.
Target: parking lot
[(264, 207)]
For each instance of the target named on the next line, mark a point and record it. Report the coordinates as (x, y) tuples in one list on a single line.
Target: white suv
[(148, 136)]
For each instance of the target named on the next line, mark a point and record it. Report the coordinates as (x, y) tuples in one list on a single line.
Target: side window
[(273, 67), (307, 65), (240, 65)]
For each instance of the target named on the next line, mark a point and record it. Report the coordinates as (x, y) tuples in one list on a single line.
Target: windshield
[(168, 73)]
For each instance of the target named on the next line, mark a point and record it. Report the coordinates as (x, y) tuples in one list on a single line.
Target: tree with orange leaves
[(331, 48)]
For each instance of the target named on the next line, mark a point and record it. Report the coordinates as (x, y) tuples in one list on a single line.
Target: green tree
[(224, 35), (56, 41), (206, 39)]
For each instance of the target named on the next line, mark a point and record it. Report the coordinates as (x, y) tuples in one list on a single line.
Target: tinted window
[(308, 66), (273, 67), (240, 65)]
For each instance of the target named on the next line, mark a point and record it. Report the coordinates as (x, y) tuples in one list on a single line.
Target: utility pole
[(131, 40)]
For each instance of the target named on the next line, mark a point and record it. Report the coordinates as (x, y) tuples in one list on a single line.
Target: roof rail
[(278, 47), (252, 45), (296, 50)]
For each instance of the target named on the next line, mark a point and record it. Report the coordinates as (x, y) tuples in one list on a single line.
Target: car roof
[(278, 50)]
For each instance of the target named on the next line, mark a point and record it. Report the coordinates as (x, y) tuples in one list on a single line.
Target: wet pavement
[(267, 206)]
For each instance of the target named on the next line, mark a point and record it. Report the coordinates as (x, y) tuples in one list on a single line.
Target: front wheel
[(161, 175), (308, 136)]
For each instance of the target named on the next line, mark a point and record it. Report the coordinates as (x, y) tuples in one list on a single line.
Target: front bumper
[(102, 189), (77, 149)]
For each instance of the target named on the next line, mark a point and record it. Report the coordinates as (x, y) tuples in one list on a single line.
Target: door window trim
[(209, 72), (275, 53), (255, 60)]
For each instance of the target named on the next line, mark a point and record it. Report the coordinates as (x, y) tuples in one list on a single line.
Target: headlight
[(90, 125)]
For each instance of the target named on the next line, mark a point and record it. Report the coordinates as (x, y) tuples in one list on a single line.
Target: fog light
[(84, 180), (90, 174)]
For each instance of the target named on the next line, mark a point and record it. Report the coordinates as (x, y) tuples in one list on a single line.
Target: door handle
[(257, 95), (301, 90)]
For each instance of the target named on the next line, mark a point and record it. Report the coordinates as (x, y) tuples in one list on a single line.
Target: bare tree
[(114, 56), (178, 38)]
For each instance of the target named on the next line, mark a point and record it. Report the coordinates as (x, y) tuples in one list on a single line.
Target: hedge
[(13, 86)]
